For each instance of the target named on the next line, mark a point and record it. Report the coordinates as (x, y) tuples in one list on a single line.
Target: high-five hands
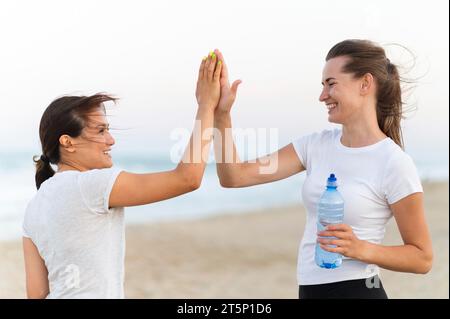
[(208, 83)]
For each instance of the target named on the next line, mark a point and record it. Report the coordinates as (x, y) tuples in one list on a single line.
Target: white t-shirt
[(79, 237), (369, 179)]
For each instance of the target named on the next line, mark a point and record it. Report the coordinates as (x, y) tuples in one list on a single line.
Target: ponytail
[(43, 170), (389, 104)]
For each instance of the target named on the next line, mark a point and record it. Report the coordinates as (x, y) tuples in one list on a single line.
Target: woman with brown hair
[(377, 179), (74, 226)]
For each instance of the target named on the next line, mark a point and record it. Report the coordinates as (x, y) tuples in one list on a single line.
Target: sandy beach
[(250, 255)]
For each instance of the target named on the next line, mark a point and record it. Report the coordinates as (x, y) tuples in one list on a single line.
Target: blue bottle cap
[(332, 181)]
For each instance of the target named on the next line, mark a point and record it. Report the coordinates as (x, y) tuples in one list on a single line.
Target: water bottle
[(330, 211)]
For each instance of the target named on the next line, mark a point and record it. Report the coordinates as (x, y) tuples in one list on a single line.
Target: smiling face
[(90, 150), (341, 92)]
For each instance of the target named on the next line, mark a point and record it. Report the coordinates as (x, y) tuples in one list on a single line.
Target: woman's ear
[(367, 83), (66, 142)]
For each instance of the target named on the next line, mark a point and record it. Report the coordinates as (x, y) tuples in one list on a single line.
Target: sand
[(250, 255)]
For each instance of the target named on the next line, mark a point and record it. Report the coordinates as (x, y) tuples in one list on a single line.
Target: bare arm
[(231, 171), (139, 189), (35, 271), (234, 173), (415, 256)]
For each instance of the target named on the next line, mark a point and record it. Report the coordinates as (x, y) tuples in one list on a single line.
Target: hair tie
[(45, 159)]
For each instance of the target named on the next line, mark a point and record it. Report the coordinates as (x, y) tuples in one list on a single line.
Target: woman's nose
[(324, 95), (110, 139)]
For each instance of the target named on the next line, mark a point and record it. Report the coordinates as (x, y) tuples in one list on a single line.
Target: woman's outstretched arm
[(231, 171), (139, 189)]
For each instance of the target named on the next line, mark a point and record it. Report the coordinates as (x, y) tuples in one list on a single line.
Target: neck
[(69, 167), (363, 130)]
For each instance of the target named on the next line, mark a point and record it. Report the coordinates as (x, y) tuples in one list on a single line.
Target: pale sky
[(148, 52)]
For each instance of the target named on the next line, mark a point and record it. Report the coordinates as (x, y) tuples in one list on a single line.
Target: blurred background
[(214, 242)]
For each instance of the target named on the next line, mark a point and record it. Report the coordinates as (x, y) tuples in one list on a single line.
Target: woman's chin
[(109, 164), (333, 119), (105, 164)]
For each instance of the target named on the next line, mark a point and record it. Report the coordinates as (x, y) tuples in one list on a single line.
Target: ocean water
[(17, 187)]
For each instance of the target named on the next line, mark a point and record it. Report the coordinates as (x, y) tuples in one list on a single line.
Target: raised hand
[(227, 92), (208, 83)]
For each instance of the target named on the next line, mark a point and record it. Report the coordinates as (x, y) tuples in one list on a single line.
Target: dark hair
[(368, 57), (65, 115)]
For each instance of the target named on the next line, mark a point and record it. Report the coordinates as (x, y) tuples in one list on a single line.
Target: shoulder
[(96, 181), (308, 146), (329, 135), (321, 137), (31, 215), (99, 173), (401, 177), (31, 205), (395, 155), (398, 163)]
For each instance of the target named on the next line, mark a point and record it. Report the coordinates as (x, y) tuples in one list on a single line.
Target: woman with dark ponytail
[(377, 179), (74, 225)]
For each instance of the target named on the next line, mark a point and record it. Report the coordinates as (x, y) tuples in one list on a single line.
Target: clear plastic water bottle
[(330, 211)]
